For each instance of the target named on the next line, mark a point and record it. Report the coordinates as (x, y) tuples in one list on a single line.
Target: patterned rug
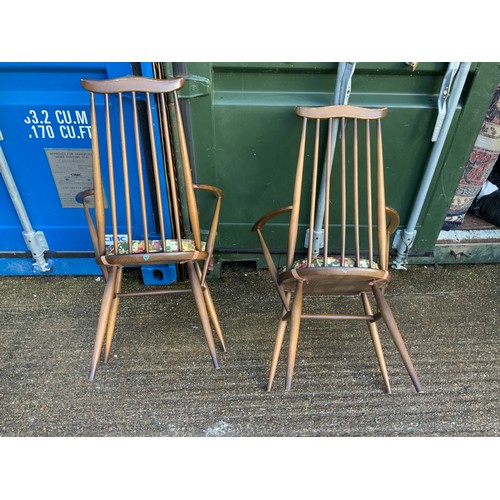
[(481, 162)]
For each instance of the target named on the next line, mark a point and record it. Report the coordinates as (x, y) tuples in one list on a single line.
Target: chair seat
[(334, 261), (139, 246), (333, 280)]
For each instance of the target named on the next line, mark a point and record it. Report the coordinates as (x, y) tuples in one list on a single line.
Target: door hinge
[(195, 86)]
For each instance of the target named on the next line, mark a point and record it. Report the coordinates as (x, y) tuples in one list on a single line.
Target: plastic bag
[(488, 208)]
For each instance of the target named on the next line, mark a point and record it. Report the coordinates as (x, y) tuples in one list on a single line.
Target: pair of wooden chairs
[(140, 185)]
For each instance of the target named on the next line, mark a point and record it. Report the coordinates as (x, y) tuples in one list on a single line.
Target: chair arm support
[(270, 215), (393, 219), (218, 193), (391, 227), (82, 198), (267, 254)]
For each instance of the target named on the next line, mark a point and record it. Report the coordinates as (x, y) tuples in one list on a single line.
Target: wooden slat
[(356, 193), (381, 217), (294, 216), (140, 176), (156, 175), (111, 171), (313, 193), (170, 170), (126, 183), (188, 182), (132, 84), (369, 193), (98, 187), (327, 190), (342, 111), (343, 188)]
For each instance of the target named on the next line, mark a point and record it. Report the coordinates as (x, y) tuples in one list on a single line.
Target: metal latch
[(443, 96)]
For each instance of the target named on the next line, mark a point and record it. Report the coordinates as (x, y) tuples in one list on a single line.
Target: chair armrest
[(393, 219), (270, 215), (82, 195), (216, 191)]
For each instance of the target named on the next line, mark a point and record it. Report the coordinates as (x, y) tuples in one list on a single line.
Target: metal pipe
[(35, 240), (408, 235)]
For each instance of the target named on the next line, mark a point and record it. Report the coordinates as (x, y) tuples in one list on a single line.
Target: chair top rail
[(341, 111), (132, 84)]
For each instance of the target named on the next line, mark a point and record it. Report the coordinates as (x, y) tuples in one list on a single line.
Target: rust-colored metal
[(136, 166), (358, 208)]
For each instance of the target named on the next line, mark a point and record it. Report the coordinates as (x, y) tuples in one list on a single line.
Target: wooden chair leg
[(202, 310), (294, 333), (211, 309), (280, 334), (112, 315), (388, 317), (107, 300), (372, 326)]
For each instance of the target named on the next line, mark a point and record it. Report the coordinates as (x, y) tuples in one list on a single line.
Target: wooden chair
[(130, 177), (360, 238)]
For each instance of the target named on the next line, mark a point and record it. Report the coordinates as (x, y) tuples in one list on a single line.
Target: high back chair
[(133, 189), (355, 255)]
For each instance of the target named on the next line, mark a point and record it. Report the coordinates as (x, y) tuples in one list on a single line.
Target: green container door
[(245, 136)]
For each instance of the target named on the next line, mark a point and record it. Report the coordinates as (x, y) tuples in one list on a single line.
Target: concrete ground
[(161, 382)]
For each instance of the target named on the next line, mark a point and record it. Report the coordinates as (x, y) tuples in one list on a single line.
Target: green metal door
[(244, 136)]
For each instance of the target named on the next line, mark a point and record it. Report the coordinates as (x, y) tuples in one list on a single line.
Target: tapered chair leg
[(211, 309), (372, 326), (112, 314), (294, 333), (107, 300), (388, 317), (202, 310), (280, 334)]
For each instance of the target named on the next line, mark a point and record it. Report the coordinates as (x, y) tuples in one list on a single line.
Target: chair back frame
[(140, 90), (344, 113)]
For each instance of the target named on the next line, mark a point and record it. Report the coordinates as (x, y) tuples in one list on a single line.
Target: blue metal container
[(45, 124)]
